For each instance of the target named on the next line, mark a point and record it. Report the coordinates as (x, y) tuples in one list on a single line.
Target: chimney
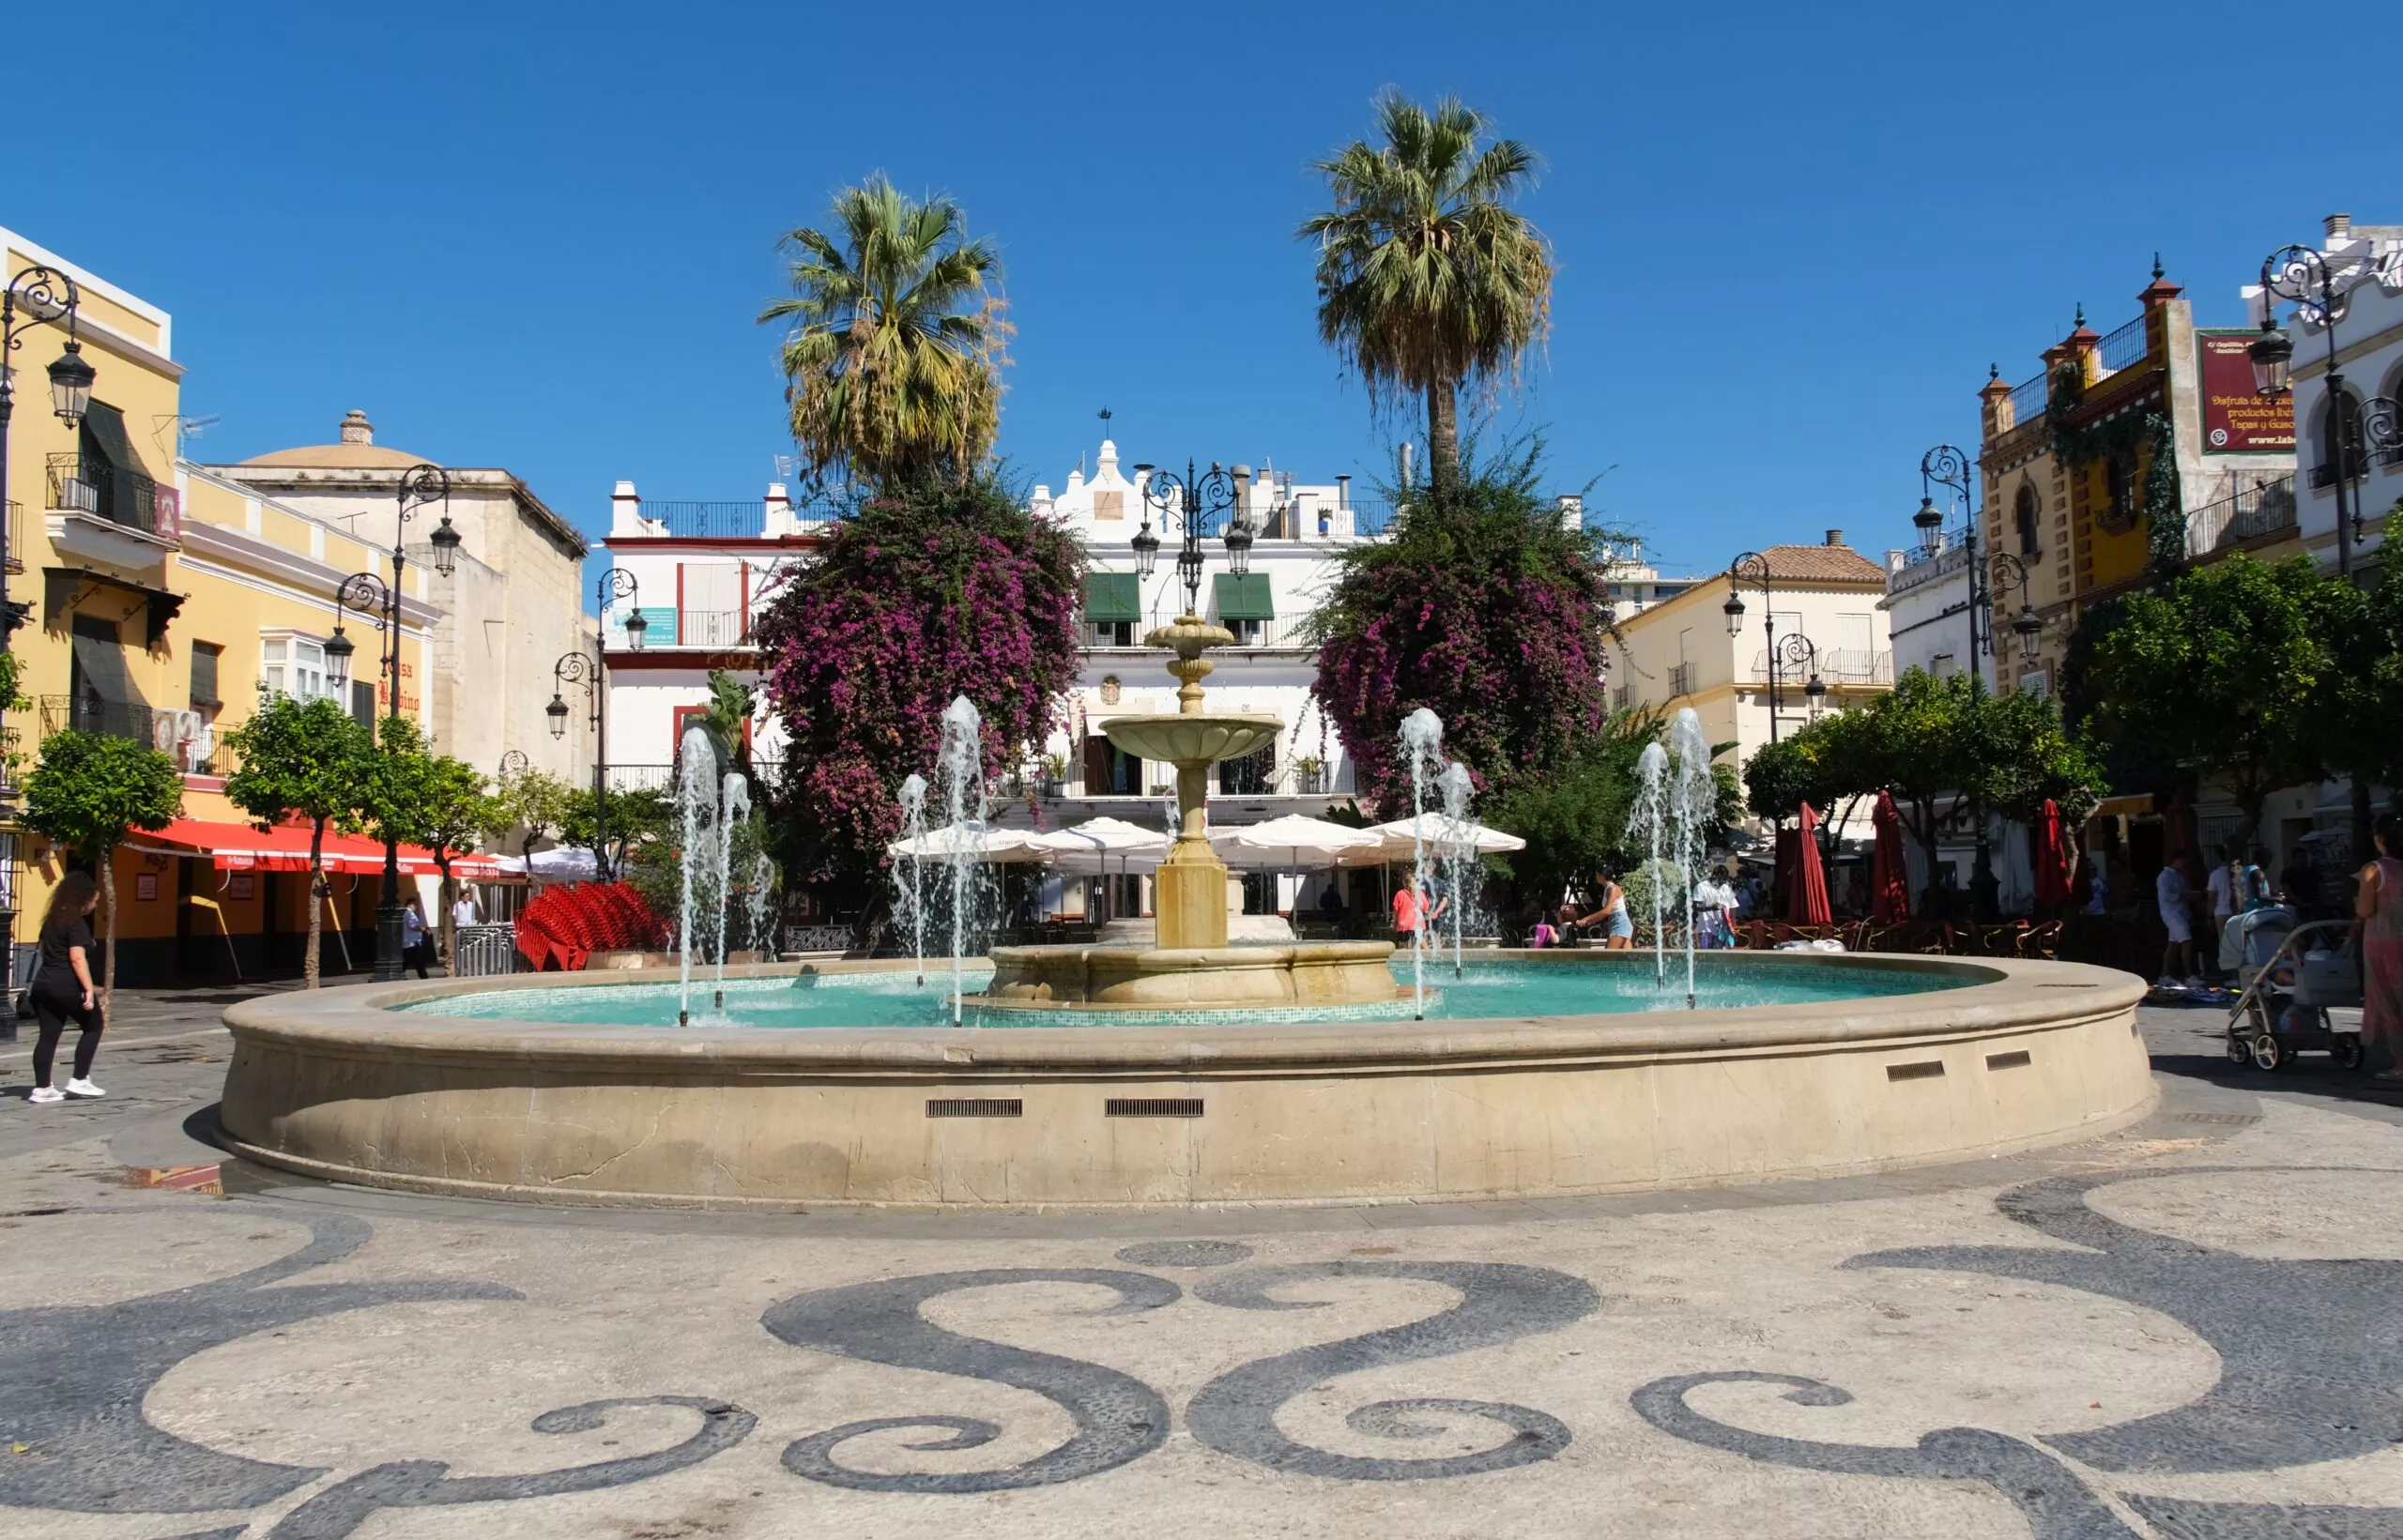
[(1835, 536), (355, 428), (1243, 490), (2340, 227), (776, 512), (1343, 492), (626, 512)]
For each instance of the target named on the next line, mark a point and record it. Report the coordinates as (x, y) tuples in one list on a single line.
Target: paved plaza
[(2193, 1328)]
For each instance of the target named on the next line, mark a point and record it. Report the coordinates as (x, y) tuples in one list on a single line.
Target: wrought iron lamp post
[(2009, 573), (2301, 275), (591, 673), (514, 763), (1799, 653), (1946, 466), (1752, 568), (421, 486), (1197, 504), (33, 296)]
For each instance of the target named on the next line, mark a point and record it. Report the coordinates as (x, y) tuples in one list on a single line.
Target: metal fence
[(2248, 513), (15, 535), (481, 951), (711, 628), (2025, 402), (728, 521), (2123, 349), (662, 777)]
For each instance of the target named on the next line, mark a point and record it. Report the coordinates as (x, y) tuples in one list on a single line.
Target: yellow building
[(165, 599)]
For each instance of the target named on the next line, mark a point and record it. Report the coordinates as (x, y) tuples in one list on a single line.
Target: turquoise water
[(1485, 989)]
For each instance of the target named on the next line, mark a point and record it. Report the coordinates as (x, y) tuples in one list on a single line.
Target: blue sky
[(1790, 239)]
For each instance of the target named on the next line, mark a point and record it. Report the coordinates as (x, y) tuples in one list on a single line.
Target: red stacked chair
[(566, 925)]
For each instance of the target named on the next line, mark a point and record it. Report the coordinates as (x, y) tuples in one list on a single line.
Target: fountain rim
[(2004, 994)]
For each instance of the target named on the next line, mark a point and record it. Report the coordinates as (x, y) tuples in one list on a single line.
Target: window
[(2026, 510), (1249, 776), (1943, 665), (295, 666), (203, 674), (363, 703)]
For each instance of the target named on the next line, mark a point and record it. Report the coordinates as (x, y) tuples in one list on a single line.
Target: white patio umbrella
[(1433, 830), (1099, 846), (1290, 844), (999, 846)]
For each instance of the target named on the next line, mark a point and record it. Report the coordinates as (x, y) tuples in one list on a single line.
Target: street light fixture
[(1799, 653), (588, 672), (2009, 572), (1946, 466), (1194, 502), (1752, 568), (1733, 610), (35, 294), (2302, 275), (421, 486)]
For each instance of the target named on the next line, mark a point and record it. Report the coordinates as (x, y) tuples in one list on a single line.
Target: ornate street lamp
[(585, 671), (33, 296), (1931, 527), (2009, 572), (1752, 568), (1194, 502), (1946, 466), (614, 584), (2301, 276), (421, 486), (1799, 653)]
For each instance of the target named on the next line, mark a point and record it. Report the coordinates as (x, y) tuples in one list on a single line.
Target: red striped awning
[(241, 847)]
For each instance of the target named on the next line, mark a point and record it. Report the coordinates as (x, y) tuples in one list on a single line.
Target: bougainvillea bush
[(1481, 607), (921, 596)]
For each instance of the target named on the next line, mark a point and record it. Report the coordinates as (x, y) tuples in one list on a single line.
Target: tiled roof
[(1822, 564)]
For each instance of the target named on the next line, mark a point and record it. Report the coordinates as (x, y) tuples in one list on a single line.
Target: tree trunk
[(1443, 435), (106, 867), (310, 973), (2364, 848)]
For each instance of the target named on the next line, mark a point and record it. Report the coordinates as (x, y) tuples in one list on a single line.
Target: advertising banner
[(2235, 418)]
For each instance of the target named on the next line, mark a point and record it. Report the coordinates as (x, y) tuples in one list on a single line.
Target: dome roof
[(357, 450)]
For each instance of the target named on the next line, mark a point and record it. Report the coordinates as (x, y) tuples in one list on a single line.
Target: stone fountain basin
[(1307, 973), (1192, 740)]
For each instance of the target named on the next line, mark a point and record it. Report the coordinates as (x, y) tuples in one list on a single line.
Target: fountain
[(1694, 805), (734, 805), (1647, 822), (696, 792), (1191, 1072), (1190, 963), (1458, 853), (1676, 800)]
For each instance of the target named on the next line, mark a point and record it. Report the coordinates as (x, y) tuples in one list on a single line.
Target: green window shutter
[(1243, 598), (1112, 596)]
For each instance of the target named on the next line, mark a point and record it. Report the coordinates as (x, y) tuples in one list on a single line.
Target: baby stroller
[(2290, 973)]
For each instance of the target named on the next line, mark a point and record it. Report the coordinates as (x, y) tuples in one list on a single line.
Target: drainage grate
[(995, 1106), (1926, 1068), (2229, 1119), (2017, 1060), (1152, 1106)]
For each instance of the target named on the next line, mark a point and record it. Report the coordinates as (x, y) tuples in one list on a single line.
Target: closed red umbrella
[(1810, 896), (1889, 883), (2052, 857), (1781, 877)]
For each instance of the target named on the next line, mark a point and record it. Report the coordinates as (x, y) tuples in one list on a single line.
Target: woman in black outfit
[(62, 987)]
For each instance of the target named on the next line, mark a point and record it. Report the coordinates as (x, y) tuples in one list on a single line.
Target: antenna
[(1106, 414)]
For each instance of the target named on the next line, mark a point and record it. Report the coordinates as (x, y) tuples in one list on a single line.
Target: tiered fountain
[(1192, 966)]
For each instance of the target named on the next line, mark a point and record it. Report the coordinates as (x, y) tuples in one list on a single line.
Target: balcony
[(2025, 405), (668, 519), (1847, 665), (709, 629), (14, 535), (1282, 632), (87, 485), (1680, 680), (2261, 512), (2123, 349), (186, 737), (662, 777)]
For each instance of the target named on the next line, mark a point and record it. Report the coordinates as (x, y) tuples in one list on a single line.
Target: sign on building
[(2235, 416)]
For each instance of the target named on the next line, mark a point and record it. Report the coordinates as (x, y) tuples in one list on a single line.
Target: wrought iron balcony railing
[(89, 485)]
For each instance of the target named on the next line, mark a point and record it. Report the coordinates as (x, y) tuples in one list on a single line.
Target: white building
[(1927, 610), (698, 574)]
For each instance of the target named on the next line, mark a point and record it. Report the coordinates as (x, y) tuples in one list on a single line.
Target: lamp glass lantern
[(1815, 692), (1238, 542), (1931, 527), (556, 712), (1147, 550), (636, 626), (1733, 610), (339, 649), (2030, 631), (446, 547), (2273, 357), (71, 385)]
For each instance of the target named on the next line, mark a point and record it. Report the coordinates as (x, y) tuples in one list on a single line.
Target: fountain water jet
[(1422, 749), (697, 791), (1647, 822), (733, 804), (1459, 850), (1693, 804), (962, 769), (913, 897)]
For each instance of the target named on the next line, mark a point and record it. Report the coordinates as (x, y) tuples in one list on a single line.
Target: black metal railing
[(728, 521), (15, 536), (2323, 477), (2027, 401), (662, 777), (1680, 679), (97, 714), (81, 483), (2248, 513), (2124, 349)]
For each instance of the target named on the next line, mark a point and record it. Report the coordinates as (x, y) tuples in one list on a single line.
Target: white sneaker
[(2166, 982), (2191, 983), (47, 1093), (84, 1088)]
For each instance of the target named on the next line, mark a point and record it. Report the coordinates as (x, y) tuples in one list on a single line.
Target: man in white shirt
[(2177, 919), (464, 911)]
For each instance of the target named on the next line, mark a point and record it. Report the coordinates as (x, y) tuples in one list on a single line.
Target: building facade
[(2066, 465), (2366, 262), (1679, 652), (698, 574), (509, 611)]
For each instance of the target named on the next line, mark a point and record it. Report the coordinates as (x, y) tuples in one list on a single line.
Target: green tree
[(436, 800), (1427, 278), (2220, 669), (308, 759), (87, 793), (635, 817), (534, 800), (891, 364)]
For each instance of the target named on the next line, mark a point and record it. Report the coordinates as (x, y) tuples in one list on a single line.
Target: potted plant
[(1308, 769), (1054, 776)]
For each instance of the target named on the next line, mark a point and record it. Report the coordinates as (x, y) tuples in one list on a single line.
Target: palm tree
[(1426, 279), (891, 362)]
